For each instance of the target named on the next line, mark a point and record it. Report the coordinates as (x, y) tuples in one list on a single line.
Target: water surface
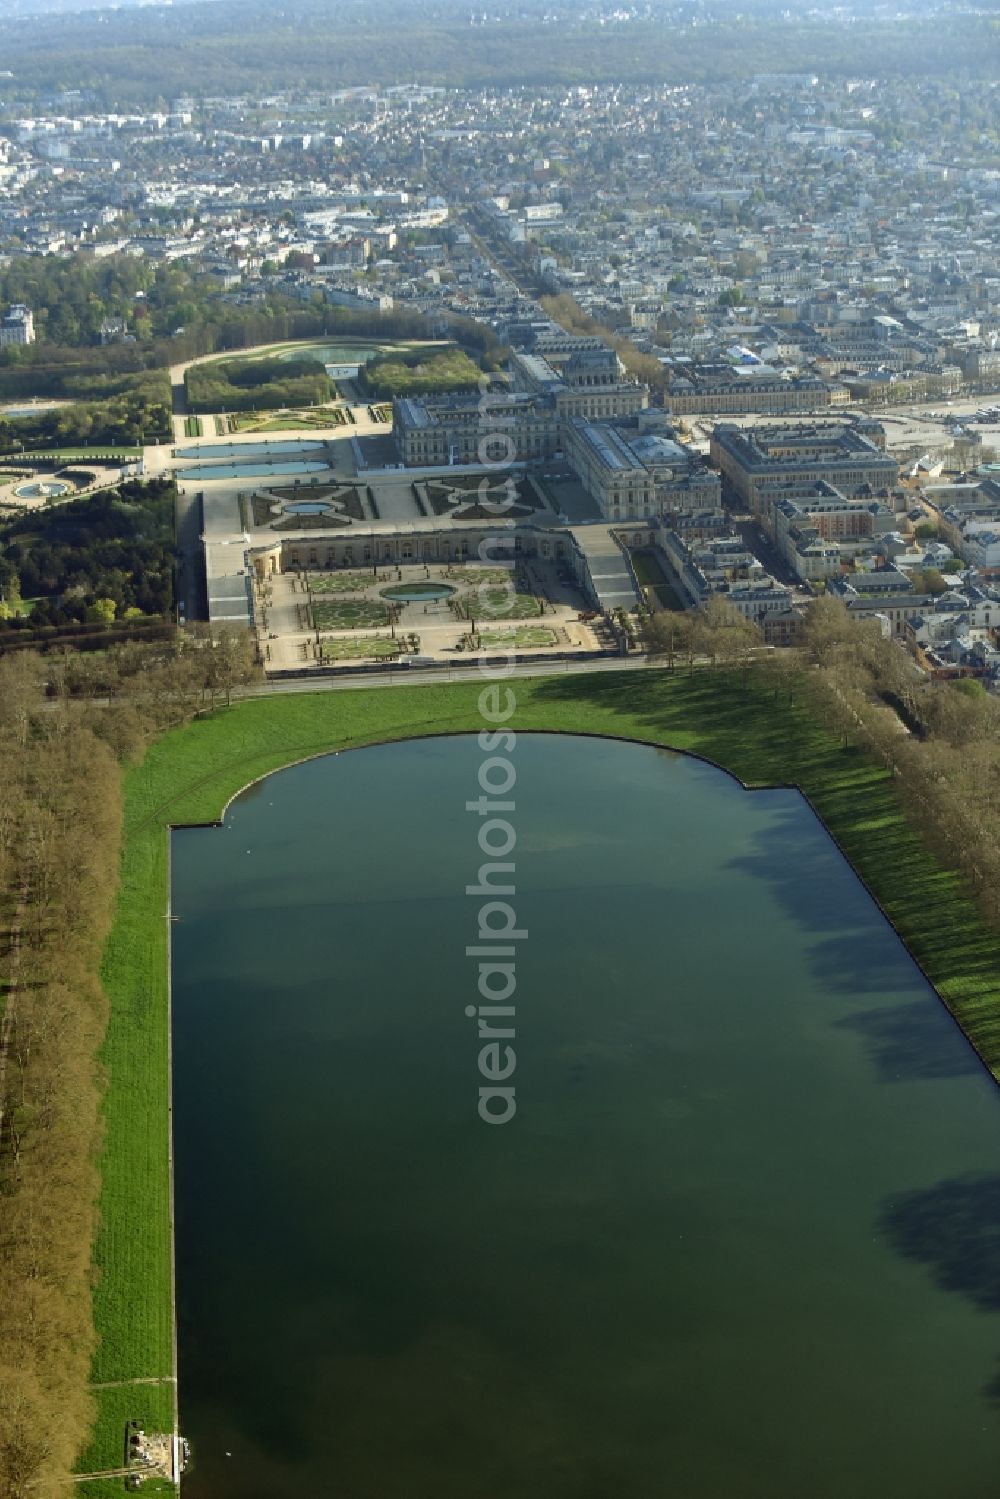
[(248, 449), (741, 1239), (208, 471), (408, 593), (339, 356)]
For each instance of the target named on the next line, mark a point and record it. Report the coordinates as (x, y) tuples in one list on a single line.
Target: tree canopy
[(114, 547)]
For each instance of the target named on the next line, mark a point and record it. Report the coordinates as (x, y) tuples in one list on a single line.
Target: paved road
[(407, 677), (758, 542), (178, 390)]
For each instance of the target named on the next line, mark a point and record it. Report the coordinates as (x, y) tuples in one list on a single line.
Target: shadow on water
[(793, 858), (913, 1041), (954, 1230), (849, 953), (766, 739)]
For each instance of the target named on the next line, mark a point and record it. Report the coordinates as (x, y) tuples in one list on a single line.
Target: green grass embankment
[(190, 774), (151, 1405)]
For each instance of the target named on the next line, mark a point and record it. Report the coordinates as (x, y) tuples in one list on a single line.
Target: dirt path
[(123, 1384)]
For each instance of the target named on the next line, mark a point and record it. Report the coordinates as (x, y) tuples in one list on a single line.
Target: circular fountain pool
[(41, 489), (417, 593)]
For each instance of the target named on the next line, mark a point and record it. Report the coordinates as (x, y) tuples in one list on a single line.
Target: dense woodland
[(174, 314), (104, 557), (72, 297), (60, 834), (257, 384), (154, 53), (120, 411)]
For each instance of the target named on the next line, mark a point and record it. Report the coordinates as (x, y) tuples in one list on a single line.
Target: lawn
[(523, 636), (152, 1405), (189, 775), (478, 575), (498, 603), (193, 426), (113, 1488), (335, 349), (132, 1298), (352, 582), (348, 614), (358, 650), (319, 417)]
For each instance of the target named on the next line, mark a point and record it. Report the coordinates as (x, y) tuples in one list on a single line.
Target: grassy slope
[(189, 774)]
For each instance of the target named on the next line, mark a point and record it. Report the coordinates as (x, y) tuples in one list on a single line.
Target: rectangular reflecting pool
[(741, 1239), (209, 450), (206, 472)]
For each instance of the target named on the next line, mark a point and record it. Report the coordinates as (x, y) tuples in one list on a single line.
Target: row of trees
[(717, 632), (567, 312), (940, 739), (59, 836), (63, 743)]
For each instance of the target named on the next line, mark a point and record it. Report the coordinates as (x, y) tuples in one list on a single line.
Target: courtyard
[(436, 612)]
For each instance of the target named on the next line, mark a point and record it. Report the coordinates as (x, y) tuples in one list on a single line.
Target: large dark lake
[(742, 1239)]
